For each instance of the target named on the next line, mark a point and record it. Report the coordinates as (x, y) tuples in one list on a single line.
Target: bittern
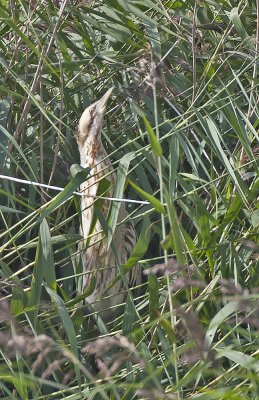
[(97, 257)]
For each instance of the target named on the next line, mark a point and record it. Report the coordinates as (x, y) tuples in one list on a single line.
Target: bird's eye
[(92, 111), (92, 115)]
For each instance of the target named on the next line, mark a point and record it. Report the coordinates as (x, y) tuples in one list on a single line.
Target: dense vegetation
[(182, 131)]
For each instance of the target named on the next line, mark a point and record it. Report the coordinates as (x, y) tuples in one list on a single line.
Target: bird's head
[(91, 121)]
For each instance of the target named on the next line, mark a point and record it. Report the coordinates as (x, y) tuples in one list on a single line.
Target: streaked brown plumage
[(97, 258)]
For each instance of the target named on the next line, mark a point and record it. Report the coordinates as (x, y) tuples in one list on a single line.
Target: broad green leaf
[(74, 169), (176, 233), (20, 381), (136, 11), (129, 318), (236, 20), (216, 394), (71, 187), (208, 291), (167, 243), (173, 165), (67, 324), (215, 134), (255, 218), (158, 206), (115, 252), (155, 145), (192, 177), (237, 123), (244, 360), (36, 285), (5, 209), (229, 309), (120, 267), (141, 245), (122, 171), (103, 188), (18, 300), (168, 329), (58, 239), (49, 272)]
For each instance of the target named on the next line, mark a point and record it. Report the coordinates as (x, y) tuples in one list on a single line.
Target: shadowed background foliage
[(181, 129)]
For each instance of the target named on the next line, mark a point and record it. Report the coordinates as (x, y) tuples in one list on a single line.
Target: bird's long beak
[(91, 121), (101, 104)]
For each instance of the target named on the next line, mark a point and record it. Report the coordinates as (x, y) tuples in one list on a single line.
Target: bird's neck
[(95, 157), (91, 153)]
